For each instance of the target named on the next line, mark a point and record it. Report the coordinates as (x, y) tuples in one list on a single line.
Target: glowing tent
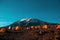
[(39, 27), (18, 28), (36, 27), (9, 27), (45, 26), (32, 27), (28, 28), (2, 30), (58, 27)]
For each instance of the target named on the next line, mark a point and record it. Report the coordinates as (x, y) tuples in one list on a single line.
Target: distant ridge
[(29, 22)]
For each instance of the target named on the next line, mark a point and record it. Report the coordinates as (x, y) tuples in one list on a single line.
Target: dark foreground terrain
[(31, 34)]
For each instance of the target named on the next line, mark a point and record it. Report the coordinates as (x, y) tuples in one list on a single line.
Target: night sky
[(14, 10)]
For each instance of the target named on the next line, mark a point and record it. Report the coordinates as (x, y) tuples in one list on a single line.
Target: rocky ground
[(33, 34)]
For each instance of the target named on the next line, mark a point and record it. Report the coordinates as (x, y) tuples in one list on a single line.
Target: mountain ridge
[(29, 22)]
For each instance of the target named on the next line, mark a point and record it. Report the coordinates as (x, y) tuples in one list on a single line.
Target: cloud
[(4, 24)]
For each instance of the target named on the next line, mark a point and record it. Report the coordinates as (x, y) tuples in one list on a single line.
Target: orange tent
[(36, 27), (39, 26), (45, 26), (28, 28), (58, 27), (2, 30), (32, 27), (18, 28)]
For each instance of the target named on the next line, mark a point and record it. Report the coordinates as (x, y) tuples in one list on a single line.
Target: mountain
[(29, 22), (32, 34)]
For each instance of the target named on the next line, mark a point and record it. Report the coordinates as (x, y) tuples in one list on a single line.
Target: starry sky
[(14, 10)]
